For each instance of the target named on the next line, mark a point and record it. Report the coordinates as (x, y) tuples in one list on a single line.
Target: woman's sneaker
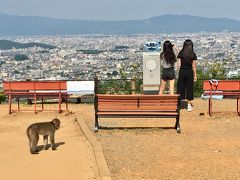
[(189, 108)]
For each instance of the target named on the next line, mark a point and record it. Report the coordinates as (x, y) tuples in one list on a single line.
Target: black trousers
[(185, 84)]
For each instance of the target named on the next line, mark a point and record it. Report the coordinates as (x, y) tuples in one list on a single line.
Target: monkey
[(42, 128)]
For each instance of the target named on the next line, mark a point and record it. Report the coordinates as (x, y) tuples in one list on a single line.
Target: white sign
[(80, 87)]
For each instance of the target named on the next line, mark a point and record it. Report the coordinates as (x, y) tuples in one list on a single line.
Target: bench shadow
[(133, 128), (41, 147)]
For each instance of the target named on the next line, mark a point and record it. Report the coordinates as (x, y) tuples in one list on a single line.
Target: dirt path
[(73, 159)]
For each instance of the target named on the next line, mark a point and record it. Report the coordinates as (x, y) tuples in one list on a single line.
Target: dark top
[(186, 62)]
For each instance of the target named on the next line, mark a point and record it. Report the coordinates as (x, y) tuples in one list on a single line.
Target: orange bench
[(227, 88), (35, 90), (167, 106)]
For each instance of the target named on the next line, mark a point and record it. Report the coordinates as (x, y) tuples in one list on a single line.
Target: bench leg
[(238, 104), (10, 104), (177, 125), (35, 104), (59, 105), (18, 104), (42, 105), (210, 106), (66, 104), (96, 123)]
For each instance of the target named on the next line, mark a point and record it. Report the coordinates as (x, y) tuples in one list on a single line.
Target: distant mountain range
[(32, 25), (6, 45)]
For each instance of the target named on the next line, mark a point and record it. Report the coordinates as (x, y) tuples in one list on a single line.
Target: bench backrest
[(222, 85), (34, 85), (137, 102)]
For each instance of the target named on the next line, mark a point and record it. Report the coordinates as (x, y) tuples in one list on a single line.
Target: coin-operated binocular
[(151, 67)]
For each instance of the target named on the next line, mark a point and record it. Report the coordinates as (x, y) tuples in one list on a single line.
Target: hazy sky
[(120, 9)]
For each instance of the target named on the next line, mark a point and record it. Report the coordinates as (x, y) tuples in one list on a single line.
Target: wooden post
[(238, 105), (96, 103), (96, 85), (10, 98), (10, 103), (29, 101), (59, 97), (42, 104), (133, 85)]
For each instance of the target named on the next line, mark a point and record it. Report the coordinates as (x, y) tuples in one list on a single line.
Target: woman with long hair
[(187, 73), (168, 59)]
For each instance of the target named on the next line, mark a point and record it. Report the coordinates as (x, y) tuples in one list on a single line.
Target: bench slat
[(137, 113), (31, 85), (150, 97), (117, 100), (223, 93), (136, 101), (135, 106), (223, 85), (172, 108)]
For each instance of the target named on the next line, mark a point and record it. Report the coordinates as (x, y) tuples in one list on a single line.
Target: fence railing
[(132, 86)]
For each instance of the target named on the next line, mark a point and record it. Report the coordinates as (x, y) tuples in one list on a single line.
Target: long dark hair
[(187, 52), (168, 53)]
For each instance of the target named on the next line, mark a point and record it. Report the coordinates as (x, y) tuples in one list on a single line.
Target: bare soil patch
[(207, 148)]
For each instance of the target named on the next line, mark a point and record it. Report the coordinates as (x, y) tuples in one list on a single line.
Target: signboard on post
[(78, 88)]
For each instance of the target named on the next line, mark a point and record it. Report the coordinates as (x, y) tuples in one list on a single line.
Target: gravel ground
[(207, 148)]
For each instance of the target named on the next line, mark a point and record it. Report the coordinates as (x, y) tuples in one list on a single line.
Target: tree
[(20, 57), (2, 97)]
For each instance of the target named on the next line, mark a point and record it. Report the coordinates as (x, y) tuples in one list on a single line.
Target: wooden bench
[(227, 88), (35, 90), (156, 106)]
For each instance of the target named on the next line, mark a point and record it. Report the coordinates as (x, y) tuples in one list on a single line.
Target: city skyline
[(111, 57), (120, 10)]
